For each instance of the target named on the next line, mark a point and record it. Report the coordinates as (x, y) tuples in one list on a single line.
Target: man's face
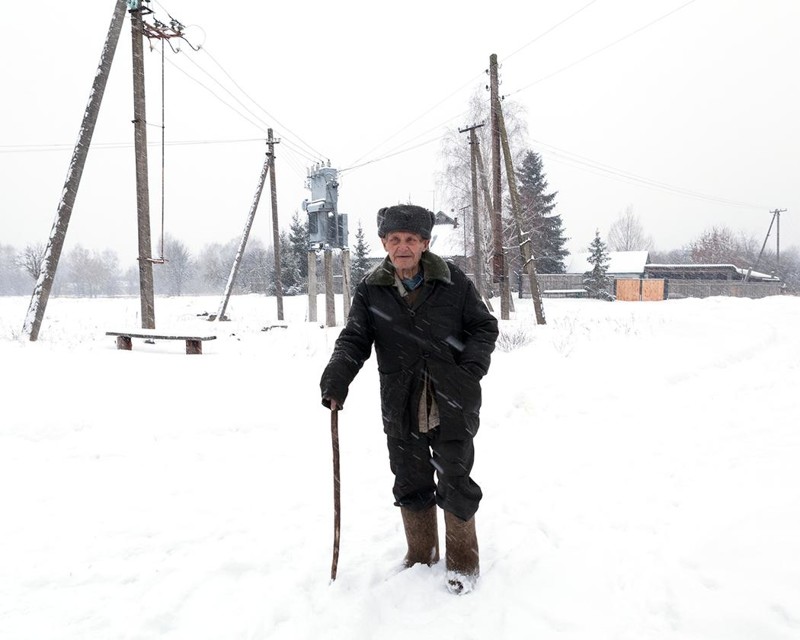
[(404, 248)]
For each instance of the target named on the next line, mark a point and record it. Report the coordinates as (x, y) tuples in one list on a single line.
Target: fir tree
[(595, 281), (543, 227), (291, 280), (360, 264), (298, 244)]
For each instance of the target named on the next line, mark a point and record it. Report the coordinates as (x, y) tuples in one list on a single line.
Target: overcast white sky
[(703, 102)]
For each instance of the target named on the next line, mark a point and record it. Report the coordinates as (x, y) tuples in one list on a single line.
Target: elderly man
[(433, 340)]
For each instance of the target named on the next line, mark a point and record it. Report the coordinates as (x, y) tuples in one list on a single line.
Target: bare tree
[(626, 233), (30, 259), (256, 273), (215, 263), (177, 270), (455, 179), (12, 278), (90, 273), (717, 245)]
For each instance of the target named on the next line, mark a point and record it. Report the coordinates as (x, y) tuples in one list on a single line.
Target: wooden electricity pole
[(276, 241), (497, 205), (330, 300), (477, 254), (776, 215), (345, 283), (237, 260), (44, 284), (312, 285), (142, 187), (524, 242)]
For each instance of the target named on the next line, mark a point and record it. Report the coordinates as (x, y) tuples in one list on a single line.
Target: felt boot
[(422, 535), (461, 552)]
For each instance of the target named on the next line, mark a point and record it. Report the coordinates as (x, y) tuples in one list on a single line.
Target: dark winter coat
[(447, 331)]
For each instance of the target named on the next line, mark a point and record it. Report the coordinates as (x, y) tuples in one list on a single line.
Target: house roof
[(447, 240), (619, 262), (706, 270)]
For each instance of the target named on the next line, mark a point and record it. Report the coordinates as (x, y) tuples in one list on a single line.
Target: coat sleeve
[(480, 333), (351, 350)]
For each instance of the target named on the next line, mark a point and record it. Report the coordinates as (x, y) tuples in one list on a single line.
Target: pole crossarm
[(158, 30)]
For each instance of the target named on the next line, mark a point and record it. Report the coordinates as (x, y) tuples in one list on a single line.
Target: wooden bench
[(194, 344)]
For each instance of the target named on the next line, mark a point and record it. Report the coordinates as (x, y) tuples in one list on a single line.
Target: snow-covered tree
[(178, 268), (291, 279), (595, 281), (360, 263), (298, 244), (717, 245), (544, 228), (91, 273), (13, 280)]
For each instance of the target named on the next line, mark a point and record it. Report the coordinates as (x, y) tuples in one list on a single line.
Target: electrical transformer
[(326, 226)]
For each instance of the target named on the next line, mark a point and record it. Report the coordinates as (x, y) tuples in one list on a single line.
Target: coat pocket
[(394, 398)]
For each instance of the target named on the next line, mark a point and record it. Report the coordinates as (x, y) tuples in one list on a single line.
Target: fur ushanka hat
[(405, 217)]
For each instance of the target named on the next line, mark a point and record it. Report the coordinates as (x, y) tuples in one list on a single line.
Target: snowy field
[(640, 464)]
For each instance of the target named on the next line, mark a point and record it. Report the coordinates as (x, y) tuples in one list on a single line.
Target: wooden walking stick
[(336, 492)]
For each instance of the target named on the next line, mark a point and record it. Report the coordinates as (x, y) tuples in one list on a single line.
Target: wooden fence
[(707, 288)]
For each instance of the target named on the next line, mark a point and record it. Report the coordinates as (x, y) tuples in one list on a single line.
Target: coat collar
[(434, 268)]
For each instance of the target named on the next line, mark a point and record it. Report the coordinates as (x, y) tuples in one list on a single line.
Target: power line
[(285, 128), (390, 155), (313, 155), (261, 125), (601, 49), (593, 166), (462, 87), (551, 29), (40, 148), (258, 126)]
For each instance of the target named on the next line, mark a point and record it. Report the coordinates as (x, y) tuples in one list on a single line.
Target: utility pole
[(487, 199), (524, 241), (330, 298), (276, 241), (142, 187), (345, 283), (776, 215), (497, 217), (476, 227), (312, 285), (44, 284), (237, 260)]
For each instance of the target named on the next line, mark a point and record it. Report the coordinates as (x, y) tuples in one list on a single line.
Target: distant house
[(447, 238), (705, 280), (635, 278), (706, 272), (622, 264)]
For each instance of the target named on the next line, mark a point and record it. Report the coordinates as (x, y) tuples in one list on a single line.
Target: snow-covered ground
[(640, 464)]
